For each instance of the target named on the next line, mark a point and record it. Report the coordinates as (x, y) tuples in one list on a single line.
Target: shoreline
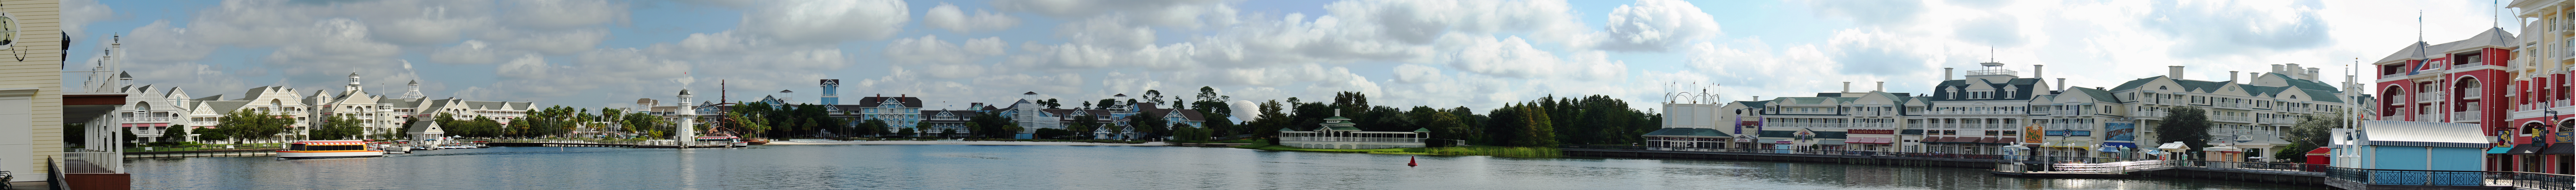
[(963, 143)]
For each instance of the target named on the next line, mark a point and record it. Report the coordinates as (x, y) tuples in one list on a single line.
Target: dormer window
[(2160, 87)]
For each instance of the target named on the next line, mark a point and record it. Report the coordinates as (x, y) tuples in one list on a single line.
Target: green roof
[(2098, 94), (1706, 132), (1336, 117), (1421, 129), (2324, 96), (1345, 128), (1754, 104)]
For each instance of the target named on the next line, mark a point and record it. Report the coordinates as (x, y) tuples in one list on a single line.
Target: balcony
[(2392, 118), (2471, 93), (2150, 114), (2466, 116), (2430, 117), (2428, 97), (148, 119)]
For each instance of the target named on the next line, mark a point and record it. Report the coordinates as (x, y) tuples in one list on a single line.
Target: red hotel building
[(2487, 80)]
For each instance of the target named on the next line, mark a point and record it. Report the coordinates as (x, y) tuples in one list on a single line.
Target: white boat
[(329, 149), (724, 140)]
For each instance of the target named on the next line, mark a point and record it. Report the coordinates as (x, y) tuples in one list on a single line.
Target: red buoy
[(1410, 162)]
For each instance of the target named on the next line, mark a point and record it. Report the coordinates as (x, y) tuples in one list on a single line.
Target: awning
[(2500, 150), (1875, 140), (1989, 140), (2011, 140), (1831, 142), (2559, 149), (2524, 149)]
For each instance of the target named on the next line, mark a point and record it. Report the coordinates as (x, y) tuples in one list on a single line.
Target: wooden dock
[(2048, 174)]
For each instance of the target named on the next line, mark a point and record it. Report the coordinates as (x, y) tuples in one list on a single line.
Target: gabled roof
[(909, 102), (2097, 94), (225, 106), (2495, 37), (2323, 96), (425, 127)]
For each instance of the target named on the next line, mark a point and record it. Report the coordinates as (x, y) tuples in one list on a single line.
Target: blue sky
[(1478, 54)]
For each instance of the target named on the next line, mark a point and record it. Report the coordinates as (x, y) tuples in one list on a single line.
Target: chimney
[(2251, 76), (2061, 84), (1846, 87), (1882, 86), (1945, 73), (2175, 73), (2231, 76), (2035, 70)]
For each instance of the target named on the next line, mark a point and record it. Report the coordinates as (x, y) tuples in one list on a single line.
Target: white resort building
[(1340, 133)]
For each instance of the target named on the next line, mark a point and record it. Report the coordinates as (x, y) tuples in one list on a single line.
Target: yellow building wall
[(40, 43)]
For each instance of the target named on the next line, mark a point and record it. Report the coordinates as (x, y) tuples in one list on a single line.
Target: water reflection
[(1054, 167)]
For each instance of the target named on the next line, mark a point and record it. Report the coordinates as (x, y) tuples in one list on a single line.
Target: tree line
[(1545, 122)]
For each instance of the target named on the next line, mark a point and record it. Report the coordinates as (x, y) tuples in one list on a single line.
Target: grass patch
[(1452, 151)]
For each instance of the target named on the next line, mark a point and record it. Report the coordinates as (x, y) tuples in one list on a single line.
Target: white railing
[(147, 131), (201, 123), (2472, 93), (2466, 116), (2428, 96), (2392, 118), (2239, 132), (1914, 126), (2430, 117), (148, 119), (1352, 139), (1993, 72), (2391, 76)]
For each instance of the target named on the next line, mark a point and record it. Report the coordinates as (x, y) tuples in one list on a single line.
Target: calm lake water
[(1054, 167)]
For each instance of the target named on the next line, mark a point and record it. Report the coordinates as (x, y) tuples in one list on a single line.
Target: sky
[(1404, 53)]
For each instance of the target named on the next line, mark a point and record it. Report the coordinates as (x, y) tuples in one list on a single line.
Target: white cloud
[(565, 14), (1415, 73), (469, 52), (1653, 25), (827, 21), (949, 17), (1175, 13), (552, 42), (1514, 57), (159, 42), (1106, 32), (335, 45), (77, 14)]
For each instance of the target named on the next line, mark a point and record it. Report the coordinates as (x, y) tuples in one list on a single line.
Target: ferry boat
[(724, 140), (329, 149)]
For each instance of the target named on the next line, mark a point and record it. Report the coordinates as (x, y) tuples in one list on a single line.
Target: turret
[(353, 82), (414, 90)]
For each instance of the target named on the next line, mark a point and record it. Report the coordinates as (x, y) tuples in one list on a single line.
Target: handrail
[(2452, 178), (204, 147)]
